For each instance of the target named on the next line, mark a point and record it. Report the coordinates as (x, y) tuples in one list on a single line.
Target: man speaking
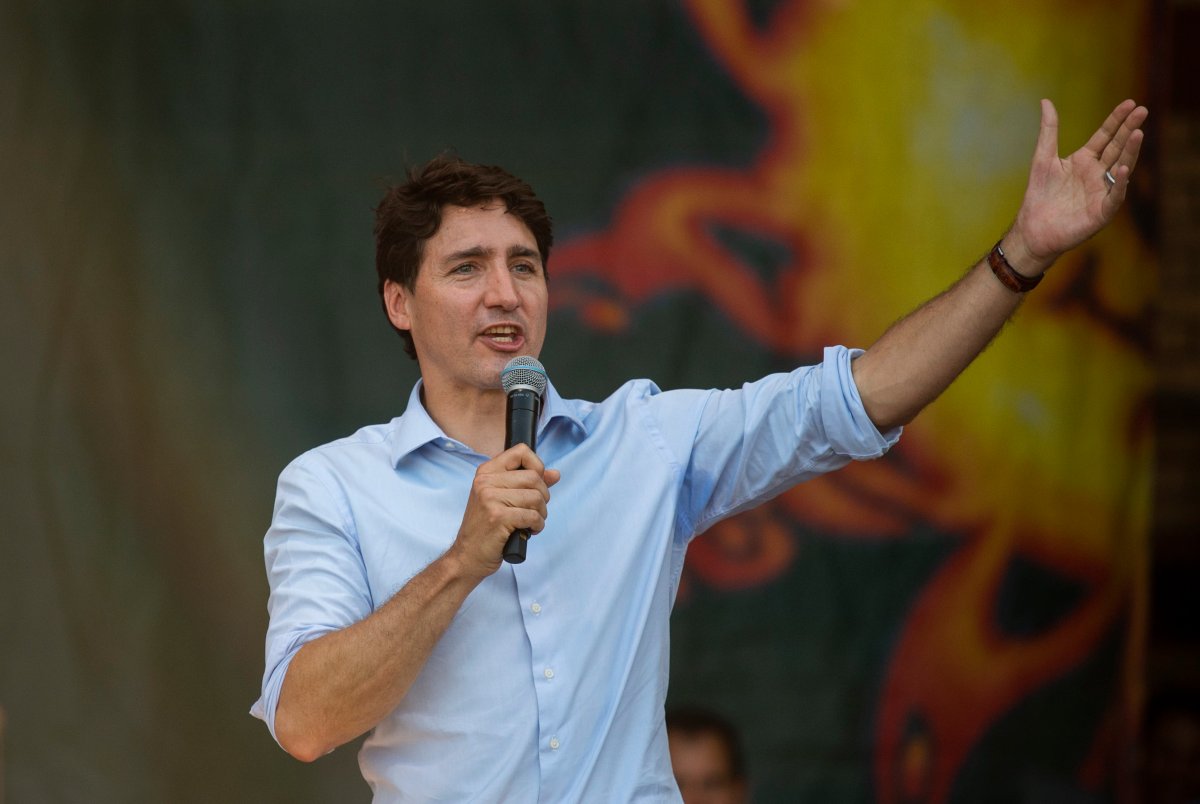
[(392, 609)]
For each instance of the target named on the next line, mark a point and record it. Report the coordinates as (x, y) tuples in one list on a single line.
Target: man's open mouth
[(502, 334)]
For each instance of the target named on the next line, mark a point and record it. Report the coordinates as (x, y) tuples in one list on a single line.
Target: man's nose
[(502, 289)]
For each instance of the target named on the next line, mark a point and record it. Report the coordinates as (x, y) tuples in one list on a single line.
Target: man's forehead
[(486, 205), (487, 225)]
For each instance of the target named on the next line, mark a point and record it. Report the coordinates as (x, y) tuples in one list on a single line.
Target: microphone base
[(514, 548)]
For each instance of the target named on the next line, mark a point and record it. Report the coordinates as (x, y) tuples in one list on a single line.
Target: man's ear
[(395, 301)]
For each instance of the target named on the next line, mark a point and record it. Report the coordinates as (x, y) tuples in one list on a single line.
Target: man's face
[(702, 769), (479, 299)]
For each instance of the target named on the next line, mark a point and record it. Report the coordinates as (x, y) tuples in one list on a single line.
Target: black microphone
[(524, 380)]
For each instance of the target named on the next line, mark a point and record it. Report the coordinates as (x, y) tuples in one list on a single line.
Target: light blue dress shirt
[(549, 684)]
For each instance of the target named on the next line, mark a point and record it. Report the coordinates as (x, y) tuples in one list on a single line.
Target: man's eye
[(524, 268), (465, 268)]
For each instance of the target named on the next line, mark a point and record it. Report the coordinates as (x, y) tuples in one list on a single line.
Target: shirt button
[(536, 608), (548, 673), (554, 743)]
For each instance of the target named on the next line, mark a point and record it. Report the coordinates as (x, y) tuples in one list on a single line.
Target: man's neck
[(476, 419)]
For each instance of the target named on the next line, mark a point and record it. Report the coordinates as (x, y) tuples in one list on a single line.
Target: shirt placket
[(551, 681)]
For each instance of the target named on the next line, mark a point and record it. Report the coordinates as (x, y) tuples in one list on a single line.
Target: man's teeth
[(505, 334)]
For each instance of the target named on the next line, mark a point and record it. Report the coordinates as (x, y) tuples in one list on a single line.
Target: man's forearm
[(920, 355), (342, 684)]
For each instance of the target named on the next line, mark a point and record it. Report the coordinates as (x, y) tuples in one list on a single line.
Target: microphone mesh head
[(524, 372)]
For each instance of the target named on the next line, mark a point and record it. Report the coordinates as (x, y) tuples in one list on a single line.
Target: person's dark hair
[(695, 722), (410, 214)]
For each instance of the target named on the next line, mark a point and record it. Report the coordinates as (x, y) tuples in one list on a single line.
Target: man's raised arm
[(1066, 201)]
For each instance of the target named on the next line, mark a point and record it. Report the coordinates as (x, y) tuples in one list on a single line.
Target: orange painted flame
[(955, 673)]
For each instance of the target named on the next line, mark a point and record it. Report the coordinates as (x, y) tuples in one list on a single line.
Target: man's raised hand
[(1069, 199)]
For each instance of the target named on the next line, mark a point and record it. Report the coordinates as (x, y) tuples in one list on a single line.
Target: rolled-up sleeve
[(847, 426), (742, 447), (315, 569)]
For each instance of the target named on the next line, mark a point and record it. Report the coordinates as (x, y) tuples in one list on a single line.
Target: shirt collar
[(415, 428)]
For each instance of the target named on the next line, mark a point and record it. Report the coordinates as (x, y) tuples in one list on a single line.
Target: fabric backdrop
[(186, 195)]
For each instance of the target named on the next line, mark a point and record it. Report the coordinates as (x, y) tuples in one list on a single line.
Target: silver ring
[(1110, 179)]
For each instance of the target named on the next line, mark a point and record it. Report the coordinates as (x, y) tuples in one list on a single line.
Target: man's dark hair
[(411, 213), (696, 722)]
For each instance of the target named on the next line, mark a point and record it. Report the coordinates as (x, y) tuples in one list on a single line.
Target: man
[(706, 756), (391, 610)]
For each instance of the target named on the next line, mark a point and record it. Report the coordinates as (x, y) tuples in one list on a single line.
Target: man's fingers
[(1109, 128), (1122, 171), (515, 479), (1130, 141), (516, 457), (522, 499), (517, 467), (1121, 155), (1108, 140), (1116, 150), (507, 509)]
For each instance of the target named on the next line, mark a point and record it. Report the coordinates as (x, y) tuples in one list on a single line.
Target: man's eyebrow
[(474, 252), (523, 251), (477, 252)]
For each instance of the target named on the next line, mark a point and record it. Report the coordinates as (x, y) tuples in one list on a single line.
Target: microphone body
[(524, 379), (522, 411)]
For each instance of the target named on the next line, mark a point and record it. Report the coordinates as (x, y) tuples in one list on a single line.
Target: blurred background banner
[(185, 237)]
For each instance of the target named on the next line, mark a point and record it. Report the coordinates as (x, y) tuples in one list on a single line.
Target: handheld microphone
[(524, 380)]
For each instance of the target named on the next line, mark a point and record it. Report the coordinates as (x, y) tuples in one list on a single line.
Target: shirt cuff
[(847, 426)]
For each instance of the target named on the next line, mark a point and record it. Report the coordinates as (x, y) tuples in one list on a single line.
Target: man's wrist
[(1006, 275), (456, 567), (1020, 258)]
